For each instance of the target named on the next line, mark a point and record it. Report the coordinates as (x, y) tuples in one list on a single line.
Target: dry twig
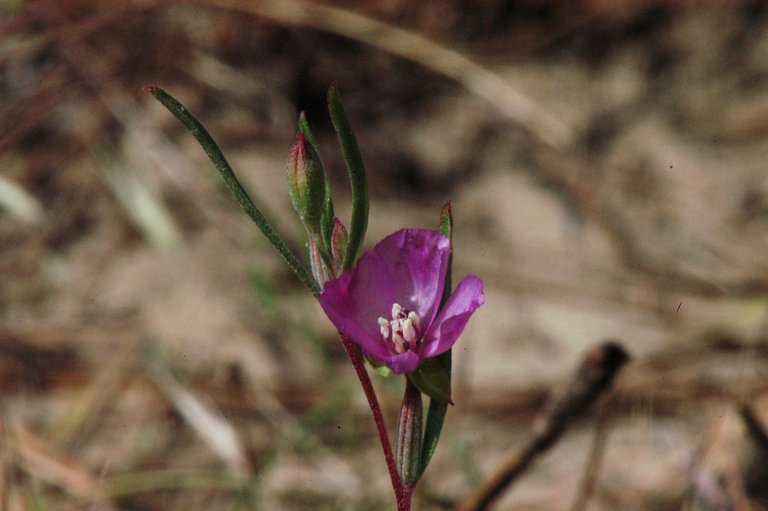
[(594, 462)]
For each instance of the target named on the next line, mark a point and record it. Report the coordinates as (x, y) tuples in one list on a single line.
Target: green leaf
[(437, 409), (446, 229), (357, 179), (435, 417), (228, 175)]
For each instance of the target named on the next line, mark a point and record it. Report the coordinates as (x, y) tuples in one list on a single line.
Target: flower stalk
[(353, 351)]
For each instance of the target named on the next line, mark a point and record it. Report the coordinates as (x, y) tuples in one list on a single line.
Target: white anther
[(402, 332), (409, 333), (415, 320), (384, 328), (399, 342)]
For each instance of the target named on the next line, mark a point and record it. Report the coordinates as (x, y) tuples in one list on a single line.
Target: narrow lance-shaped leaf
[(228, 175), (327, 218), (437, 408), (358, 181)]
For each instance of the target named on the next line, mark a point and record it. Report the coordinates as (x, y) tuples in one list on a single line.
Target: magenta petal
[(370, 293), (448, 325), (414, 261), (402, 362), (345, 316)]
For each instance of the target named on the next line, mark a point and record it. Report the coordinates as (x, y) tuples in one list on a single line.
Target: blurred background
[(606, 163)]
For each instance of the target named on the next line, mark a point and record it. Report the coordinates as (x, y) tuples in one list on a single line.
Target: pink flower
[(388, 303)]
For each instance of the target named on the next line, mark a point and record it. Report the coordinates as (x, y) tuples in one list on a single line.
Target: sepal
[(433, 379)]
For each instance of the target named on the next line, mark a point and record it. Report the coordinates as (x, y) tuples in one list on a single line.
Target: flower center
[(403, 331)]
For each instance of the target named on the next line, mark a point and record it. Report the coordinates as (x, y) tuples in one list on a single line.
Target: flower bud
[(408, 451), (319, 269), (306, 183), (339, 239)]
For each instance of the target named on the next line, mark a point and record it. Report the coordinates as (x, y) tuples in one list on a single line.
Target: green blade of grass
[(357, 178), (226, 172)]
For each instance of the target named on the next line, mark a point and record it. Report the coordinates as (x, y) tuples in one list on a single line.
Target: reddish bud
[(339, 239), (320, 270), (306, 183)]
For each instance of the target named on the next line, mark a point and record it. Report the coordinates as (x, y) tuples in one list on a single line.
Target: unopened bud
[(319, 269), (339, 239), (306, 183), (408, 451)]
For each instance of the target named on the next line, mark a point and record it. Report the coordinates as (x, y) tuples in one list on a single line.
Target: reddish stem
[(404, 502), (402, 494)]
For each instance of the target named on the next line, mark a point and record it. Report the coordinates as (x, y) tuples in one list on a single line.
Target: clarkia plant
[(394, 306)]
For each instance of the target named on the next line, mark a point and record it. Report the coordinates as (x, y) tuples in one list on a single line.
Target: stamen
[(409, 333), (384, 328), (399, 343), (415, 320), (402, 332)]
